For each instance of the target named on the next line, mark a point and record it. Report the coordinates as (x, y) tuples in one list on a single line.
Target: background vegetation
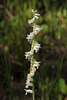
[(50, 79)]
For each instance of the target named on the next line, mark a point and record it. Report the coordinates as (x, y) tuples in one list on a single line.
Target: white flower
[(34, 69), (36, 46), (29, 81), (37, 29), (36, 17), (37, 14), (28, 91), (36, 64), (29, 54), (30, 37), (31, 21), (29, 78), (27, 85), (32, 10), (32, 73)]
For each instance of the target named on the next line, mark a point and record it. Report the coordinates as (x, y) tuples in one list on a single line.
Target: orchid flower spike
[(35, 46)]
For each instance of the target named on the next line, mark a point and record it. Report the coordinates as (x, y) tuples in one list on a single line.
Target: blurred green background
[(51, 78)]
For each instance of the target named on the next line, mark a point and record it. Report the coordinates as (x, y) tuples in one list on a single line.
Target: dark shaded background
[(51, 79)]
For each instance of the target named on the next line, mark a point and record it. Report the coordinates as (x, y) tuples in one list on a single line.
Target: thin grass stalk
[(8, 75)]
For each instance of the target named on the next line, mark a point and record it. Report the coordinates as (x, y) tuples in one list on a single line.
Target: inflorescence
[(35, 46)]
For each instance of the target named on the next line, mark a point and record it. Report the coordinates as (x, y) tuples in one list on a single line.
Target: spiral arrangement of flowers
[(35, 46)]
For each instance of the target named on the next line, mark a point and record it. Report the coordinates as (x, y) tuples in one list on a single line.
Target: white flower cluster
[(29, 81), (28, 55), (37, 27), (31, 21), (31, 35)]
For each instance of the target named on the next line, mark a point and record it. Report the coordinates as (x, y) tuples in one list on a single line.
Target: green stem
[(33, 93), (32, 58)]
